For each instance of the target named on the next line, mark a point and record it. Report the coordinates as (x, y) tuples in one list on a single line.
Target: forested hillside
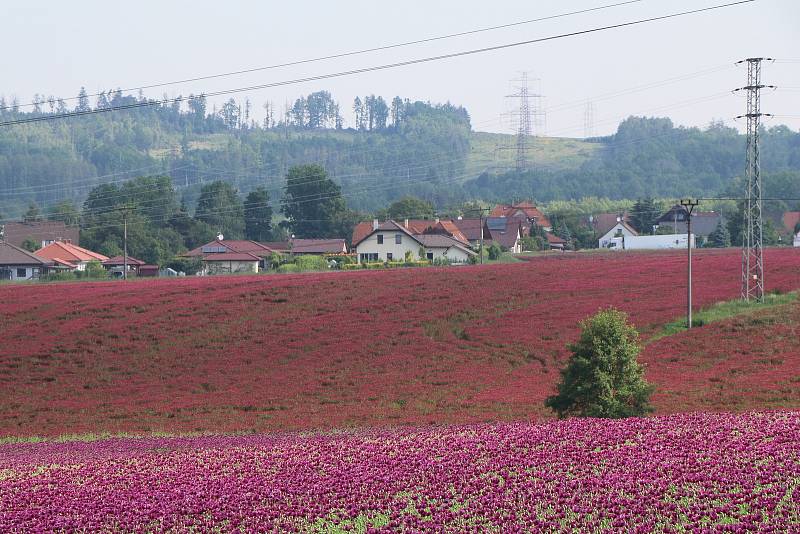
[(394, 148)]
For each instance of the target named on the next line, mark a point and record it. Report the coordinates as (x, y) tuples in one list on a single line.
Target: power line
[(385, 66), (355, 52)]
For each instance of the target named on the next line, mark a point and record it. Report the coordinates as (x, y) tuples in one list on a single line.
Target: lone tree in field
[(602, 377)]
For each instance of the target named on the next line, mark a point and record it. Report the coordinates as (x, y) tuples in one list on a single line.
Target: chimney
[(405, 224), (436, 220), (374, 224)]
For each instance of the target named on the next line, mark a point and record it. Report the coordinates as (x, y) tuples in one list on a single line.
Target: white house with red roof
[(392, 241)]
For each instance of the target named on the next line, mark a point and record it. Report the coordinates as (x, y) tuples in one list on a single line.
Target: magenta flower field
[(715, 473)]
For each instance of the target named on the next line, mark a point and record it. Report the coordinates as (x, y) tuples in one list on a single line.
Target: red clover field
[(408, 399)]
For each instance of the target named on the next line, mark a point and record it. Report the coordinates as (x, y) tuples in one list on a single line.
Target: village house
[(506, 232), (791, 223), (392, 241), (614, 237), (42, 233), (18, 264), (69, 256), (703, 222), (232, 256), (527, 211)]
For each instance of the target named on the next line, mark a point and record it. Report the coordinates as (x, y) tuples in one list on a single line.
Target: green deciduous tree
[(313, 204), (220, 207), (410, 207), (258, 215), (64, 211), (602, 377)]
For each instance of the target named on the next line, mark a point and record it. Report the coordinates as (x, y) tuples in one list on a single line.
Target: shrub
[(602, 377), (495, 251), (309, 262), (288, 268)]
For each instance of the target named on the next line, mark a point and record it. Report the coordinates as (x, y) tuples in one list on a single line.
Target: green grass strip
[(724, 310)]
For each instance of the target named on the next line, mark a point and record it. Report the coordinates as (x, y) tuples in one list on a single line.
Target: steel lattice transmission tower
[(753, 229), (524, 130)]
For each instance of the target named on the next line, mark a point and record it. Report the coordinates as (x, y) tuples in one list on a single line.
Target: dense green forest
[(394, 148)]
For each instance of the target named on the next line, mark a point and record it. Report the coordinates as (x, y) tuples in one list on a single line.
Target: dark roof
[(232, 245), (13, 255), (120, 260), (507, 234), (17, 232), (471, 228), (318, 246), (603, 222), (703, 222)]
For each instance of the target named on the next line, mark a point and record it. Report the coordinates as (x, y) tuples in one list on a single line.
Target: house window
[(429, 255), (388, 256), (380, 239), (21, 273), (368, 257), (398, 239)]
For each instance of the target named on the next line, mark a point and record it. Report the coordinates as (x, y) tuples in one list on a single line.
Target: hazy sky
[(53, 48)]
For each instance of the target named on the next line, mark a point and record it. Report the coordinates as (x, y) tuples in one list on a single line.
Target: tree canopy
[(602, 377)]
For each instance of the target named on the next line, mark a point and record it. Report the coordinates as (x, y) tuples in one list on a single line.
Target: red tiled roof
[(317, 246), (59, 261), (120, 260), (361, 231), (554, 239), (790, 220), (69, 252), (528, 209)]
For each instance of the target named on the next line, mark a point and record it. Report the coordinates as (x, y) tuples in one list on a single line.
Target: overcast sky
[(55, 47)]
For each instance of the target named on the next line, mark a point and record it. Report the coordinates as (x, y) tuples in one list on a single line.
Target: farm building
[(116, 266), (69, 255), (19, 264), (42, 233)]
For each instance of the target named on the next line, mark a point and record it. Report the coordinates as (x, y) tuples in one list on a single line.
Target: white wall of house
[(454, 254), (797, 240), (229, 267), (382, 251), (19, 272), (619, 230)]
